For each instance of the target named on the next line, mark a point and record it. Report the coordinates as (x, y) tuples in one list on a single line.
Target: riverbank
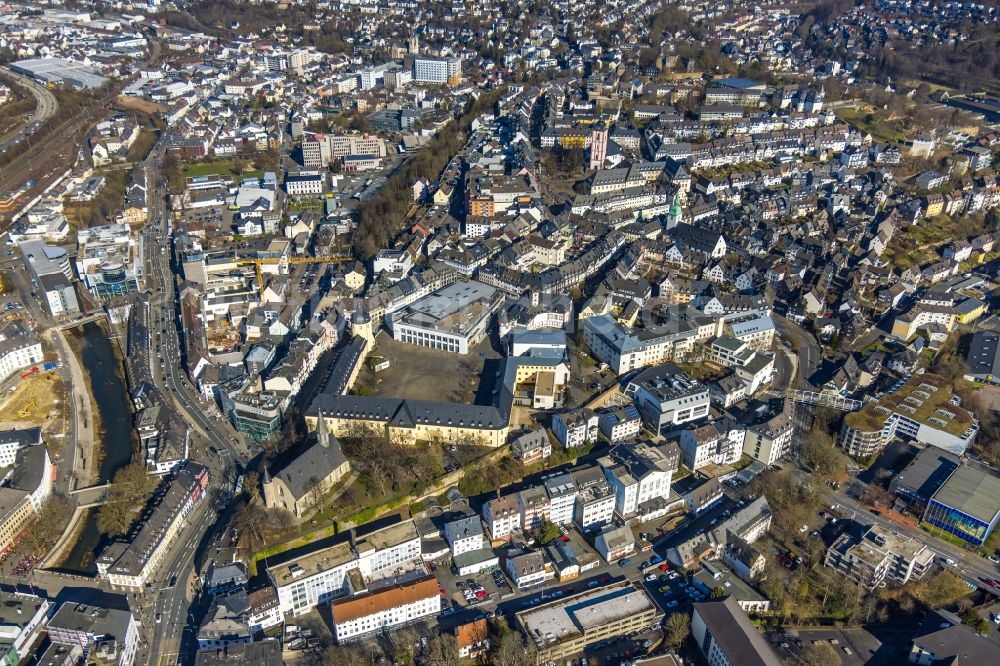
[(89, 456)]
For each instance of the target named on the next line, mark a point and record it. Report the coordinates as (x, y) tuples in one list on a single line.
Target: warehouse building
[(967, 505), (60, 71)]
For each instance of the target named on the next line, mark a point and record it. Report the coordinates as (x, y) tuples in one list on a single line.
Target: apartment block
[(869, 554)]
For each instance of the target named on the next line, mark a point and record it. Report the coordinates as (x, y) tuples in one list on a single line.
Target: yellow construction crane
[(257, 263)]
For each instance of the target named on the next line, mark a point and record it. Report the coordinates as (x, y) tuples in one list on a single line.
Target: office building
[(667, 397), (106, 635), (922, 409), (257, 415), (318, 572), (51, 267), (454, 318), (437, 70), (568, 626), (108, 260)]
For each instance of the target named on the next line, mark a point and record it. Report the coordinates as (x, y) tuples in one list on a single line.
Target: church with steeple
[(298, 486)]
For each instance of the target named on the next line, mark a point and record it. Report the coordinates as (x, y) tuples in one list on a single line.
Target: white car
[(804, 528), (650, 578)]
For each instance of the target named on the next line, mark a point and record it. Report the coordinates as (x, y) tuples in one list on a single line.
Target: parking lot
[(854, 646), (472, 591)]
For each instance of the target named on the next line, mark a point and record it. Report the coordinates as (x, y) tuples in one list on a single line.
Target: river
[(113, 405)]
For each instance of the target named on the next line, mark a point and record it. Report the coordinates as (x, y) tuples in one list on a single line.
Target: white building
[(304, 183), (640, 476), (502, 516), (18, 350), (13, 439), (770, 440), (378, 611), (528, 569), (575, 428), (454, 318), (397, 262), (615, 543), (108, 259), (320, 574), (464, 535), (437, 70), (595, 500), (621, 424), (562, 498)]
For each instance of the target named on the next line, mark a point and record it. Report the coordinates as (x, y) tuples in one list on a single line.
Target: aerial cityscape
[(514, 333)]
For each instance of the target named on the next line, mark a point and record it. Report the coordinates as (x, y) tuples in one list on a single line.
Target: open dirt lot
[(134, 103), (419, 373), (45, 389)]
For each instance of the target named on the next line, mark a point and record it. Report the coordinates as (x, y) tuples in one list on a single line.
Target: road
[(174, 634), (971, 566), (809, 356), (45, 108)]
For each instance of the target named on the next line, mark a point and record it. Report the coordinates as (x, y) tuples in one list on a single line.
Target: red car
[(664, 567)]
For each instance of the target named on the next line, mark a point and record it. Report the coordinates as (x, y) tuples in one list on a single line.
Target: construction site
[(39, 398)]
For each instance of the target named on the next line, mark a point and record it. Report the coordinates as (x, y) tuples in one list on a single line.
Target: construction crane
[(258, 263)]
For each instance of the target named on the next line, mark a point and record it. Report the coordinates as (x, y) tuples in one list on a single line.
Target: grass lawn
[(936, 531), (869, 122), (222, 168)]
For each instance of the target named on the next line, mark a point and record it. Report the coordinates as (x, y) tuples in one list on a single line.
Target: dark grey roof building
[(924, 475), (725, 635), (984, 357)]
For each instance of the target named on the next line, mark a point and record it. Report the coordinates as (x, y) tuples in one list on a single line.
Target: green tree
[(717, 592), (547, 531)]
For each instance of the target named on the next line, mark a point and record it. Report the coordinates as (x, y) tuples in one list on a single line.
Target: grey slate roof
[(736, 636)]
